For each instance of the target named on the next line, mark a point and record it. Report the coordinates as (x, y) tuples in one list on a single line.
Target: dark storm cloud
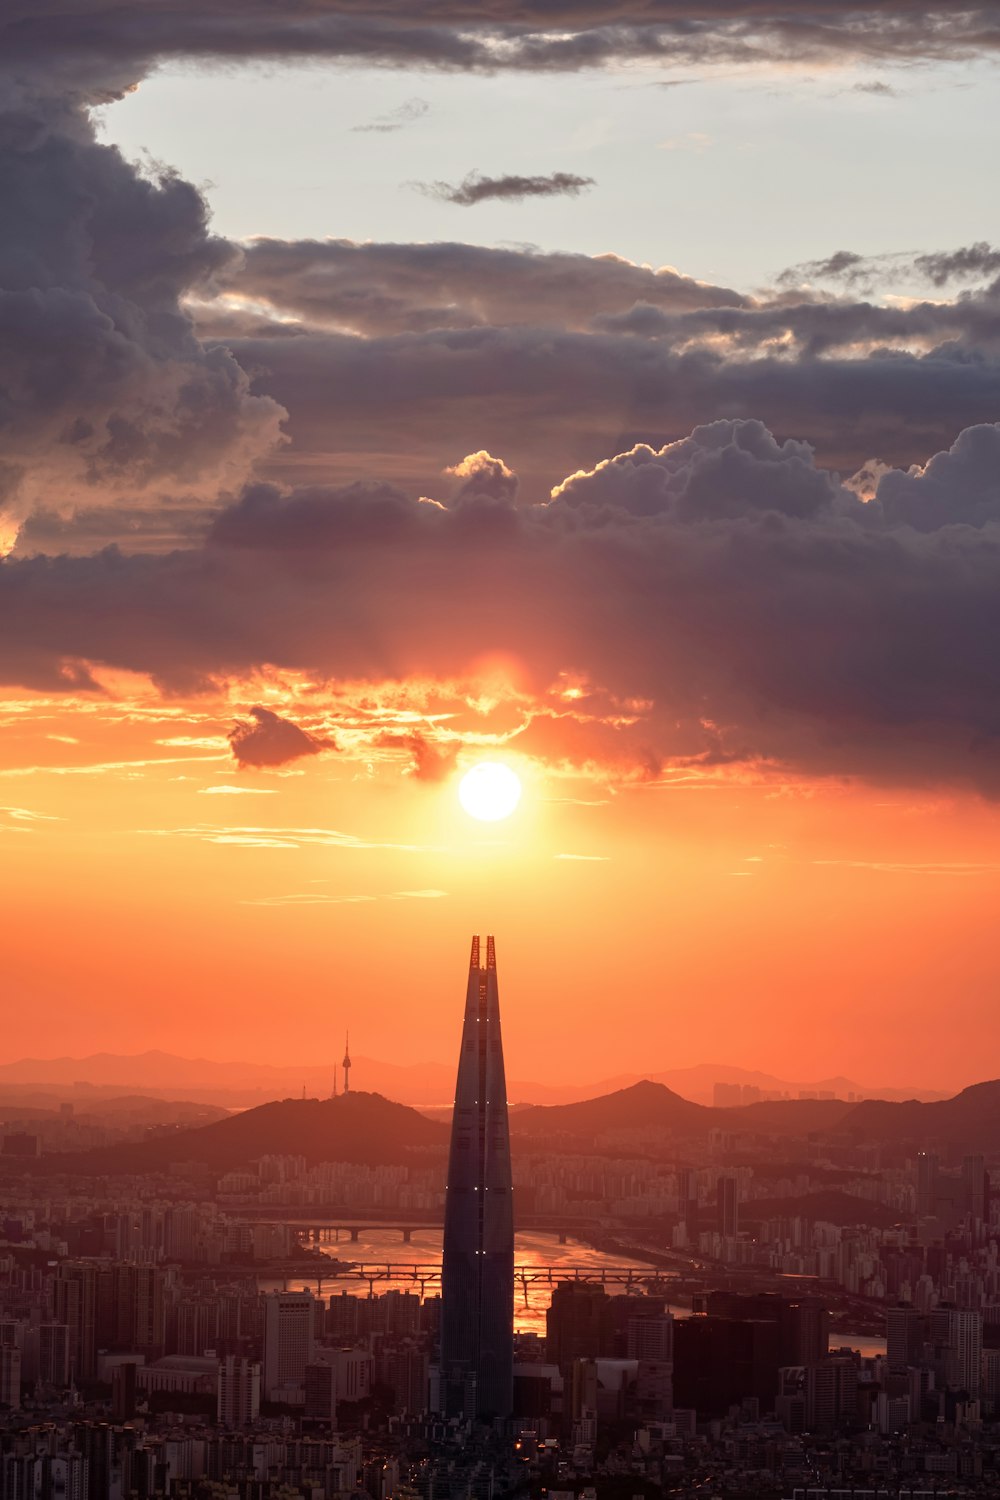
[(267, 740), (551, 400), (754, 607), (393, 288), (104, 386), (486, 34), (475, 188)]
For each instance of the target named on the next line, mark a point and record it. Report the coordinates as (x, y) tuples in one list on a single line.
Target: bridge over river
[(316, 1230)]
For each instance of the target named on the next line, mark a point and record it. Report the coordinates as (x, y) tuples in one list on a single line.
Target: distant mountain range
[(363, 1127), (237, 1084)]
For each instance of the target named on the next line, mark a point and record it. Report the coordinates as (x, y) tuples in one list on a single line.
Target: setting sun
[(490, 791)]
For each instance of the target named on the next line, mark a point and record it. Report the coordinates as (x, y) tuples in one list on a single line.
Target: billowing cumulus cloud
[(461, 339), (726, 600), (655, 505), (511, 188), (104, 386), (267, 740)]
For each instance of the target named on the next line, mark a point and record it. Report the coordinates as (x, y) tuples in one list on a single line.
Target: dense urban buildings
[(727, 1301)]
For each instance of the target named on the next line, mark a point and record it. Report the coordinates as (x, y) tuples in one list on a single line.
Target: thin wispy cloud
[(589, 859), (394, 119), (695, 140), (282, 838), (22, 819), (318, 898), (110, 767), (901, 867), (237, 791), (510, 188), (877, 89)]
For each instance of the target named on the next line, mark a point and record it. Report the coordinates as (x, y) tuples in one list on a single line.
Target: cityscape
[(633, 1294), (499, 750)]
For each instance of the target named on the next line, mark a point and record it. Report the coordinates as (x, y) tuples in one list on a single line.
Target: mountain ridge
[(418, 1084)]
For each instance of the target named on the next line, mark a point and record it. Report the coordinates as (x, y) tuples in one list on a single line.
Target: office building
[(289, 1323), (578, 1324), (477, 1272)]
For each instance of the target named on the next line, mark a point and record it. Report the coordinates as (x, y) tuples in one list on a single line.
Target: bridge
[(323, 1231), (416, 1276)]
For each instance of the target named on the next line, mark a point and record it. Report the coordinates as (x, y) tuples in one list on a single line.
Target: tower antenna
[(347, 1062)]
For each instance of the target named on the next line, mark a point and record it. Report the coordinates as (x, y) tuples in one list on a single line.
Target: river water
[(531, 1251), (385, 1247)]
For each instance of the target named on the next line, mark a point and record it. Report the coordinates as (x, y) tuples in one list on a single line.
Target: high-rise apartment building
[(238, 1400), (728, 1201), (74, 1295), (477, 1273), (10, 1376)]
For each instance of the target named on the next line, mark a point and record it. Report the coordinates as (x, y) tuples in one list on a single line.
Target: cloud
[(728, 601), (377, 289), (236, 791), (107, 391), (101, 45), (395, 119), (475, 188), (939, 267), (280, 838), (428, 760), (550, 400), (268, 740), (320, 898)]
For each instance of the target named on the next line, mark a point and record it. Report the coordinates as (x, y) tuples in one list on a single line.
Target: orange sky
[(803, 928), (304, 512)]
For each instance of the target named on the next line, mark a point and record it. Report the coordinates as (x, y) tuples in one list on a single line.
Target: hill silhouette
[(971, 1118), (643, 1105), (355, 1127), (653, 1106)]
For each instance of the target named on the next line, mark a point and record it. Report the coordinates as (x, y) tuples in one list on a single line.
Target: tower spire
[(347, 1062)]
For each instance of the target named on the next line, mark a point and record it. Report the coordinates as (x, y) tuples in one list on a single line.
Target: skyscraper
[(477, 1291), (728, 1200), (289, 1323)]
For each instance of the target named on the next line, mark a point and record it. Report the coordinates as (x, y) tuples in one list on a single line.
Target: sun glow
[(490, 791)]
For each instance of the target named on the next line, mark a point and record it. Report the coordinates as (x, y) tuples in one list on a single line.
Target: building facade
[(477, 1292)]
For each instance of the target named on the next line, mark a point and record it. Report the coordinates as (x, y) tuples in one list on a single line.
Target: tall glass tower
[(477, 1274)]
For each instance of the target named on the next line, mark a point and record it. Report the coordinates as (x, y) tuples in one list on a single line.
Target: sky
[(609, 389)]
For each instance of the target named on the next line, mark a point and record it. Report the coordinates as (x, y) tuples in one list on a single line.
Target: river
[(531, 1251)]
